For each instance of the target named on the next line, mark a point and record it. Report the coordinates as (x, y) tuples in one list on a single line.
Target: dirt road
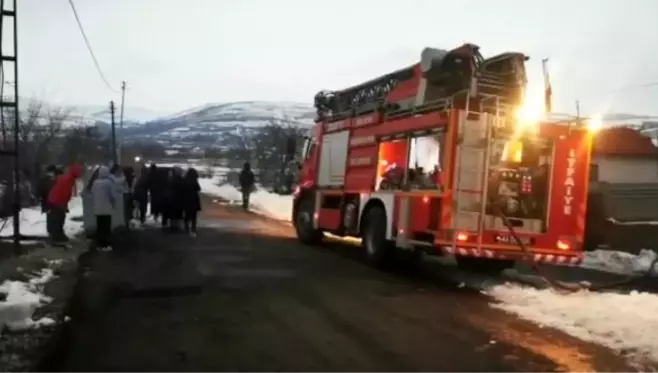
[(245, 296)]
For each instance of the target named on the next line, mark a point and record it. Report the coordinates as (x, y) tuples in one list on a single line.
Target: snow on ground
[(273, 205), (33, 221), (620, 262), (21, 300), (624, 322)]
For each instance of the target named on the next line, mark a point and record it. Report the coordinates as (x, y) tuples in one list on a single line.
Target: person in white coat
[(103, 197)]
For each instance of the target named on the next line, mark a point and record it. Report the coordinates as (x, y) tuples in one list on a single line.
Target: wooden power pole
[(114, 133), (123, 101)]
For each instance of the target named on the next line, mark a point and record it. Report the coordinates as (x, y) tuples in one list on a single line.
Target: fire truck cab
[(434, 158)]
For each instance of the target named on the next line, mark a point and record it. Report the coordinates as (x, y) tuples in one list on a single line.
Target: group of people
[(173, 194)]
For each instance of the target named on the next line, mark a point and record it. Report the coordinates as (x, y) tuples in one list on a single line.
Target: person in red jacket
[(58, 201)]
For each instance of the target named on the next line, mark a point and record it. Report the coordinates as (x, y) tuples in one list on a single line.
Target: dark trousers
[(55, 219), (142, 204), (245, 199), (128, 207), (190, 221), (103, 230)]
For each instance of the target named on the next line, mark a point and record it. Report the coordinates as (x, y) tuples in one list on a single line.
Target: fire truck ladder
[(471, 176), (9, 107)]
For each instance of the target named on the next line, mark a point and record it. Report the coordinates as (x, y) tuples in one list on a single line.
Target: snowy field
[(623, 322), (33, 221)]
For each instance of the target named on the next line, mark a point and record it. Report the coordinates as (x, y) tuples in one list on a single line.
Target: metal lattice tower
[(9, 107)]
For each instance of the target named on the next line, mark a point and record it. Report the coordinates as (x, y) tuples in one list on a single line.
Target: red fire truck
[(433, 158)]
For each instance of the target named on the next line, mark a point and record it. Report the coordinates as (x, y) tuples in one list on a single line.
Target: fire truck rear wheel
[(306, 233), (379, 251)]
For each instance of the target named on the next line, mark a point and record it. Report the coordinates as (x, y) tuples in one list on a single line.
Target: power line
[(91, 51)]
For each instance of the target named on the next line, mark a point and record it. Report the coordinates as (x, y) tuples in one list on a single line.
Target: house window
[(594, 172)]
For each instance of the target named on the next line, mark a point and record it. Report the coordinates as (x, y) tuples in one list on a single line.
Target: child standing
[(102, 191), (191, 201)]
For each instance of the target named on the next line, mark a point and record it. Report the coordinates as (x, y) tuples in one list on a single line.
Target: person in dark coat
[(141, 193), (246, 184), (154, 185), (128, 198), (191, 200), (172, 202)]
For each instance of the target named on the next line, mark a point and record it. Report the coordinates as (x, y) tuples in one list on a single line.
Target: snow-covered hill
[(211, 122), (99, 113)]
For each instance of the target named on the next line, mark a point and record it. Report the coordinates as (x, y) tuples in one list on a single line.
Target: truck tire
[(306, 233), (480, 265), (378, 250)]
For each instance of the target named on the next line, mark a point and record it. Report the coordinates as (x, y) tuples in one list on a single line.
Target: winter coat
[(102, 192), (62, 190), (246, 179), (120, 183), (141, 188), (191, 199)]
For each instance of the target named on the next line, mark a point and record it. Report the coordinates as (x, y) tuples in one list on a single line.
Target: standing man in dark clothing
[(172, 201), (191, 200), (246, 184), (129, 204), (140, 193)]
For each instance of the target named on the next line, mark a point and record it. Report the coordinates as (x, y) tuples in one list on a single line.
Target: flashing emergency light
[(594, 123)]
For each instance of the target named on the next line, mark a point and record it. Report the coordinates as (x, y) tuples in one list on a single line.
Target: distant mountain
[(211, 122), (98, 113)]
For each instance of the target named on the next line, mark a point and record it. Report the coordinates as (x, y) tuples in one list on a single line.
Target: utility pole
[(578, 110), (123, 101), (11, 104), (114, 133), (548, 90)]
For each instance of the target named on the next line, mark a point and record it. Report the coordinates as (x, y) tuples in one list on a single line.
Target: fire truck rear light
[(563, 245), (461, 236), (426, 199), (400, 231), (315, 216)]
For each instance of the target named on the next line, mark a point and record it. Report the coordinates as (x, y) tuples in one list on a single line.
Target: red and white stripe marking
[(494, 254)]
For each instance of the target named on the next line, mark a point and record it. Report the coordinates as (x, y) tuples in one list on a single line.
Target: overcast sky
[(180, 53)]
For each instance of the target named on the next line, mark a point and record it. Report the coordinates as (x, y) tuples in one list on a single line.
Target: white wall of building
[(626, 169)]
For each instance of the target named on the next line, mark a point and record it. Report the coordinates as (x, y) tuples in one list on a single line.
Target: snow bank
[(33, 221), (625, 323), (620, 262), (273, 205), (21, 301)]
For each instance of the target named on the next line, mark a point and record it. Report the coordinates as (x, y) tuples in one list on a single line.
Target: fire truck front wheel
[(306, 233), (379, 250)]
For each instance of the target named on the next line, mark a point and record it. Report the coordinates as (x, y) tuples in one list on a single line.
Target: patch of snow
[(625, 323), (21, 301), (273, 205), (33, 221), (620, 262), (617, 222)]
